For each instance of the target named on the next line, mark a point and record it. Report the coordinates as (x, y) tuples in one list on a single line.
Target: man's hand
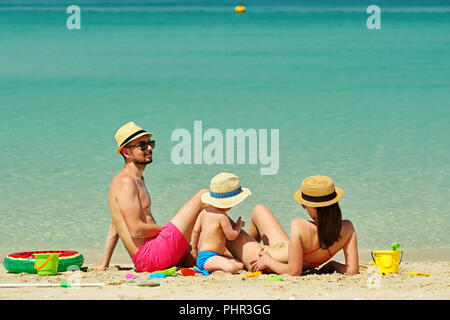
[(194, 253), (97, 267), (148, 231)]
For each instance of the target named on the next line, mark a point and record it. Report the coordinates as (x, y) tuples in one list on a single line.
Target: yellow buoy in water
[(239, 9)]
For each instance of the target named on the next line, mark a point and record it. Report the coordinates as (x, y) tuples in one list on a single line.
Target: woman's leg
[(244, 247), (264, 226)]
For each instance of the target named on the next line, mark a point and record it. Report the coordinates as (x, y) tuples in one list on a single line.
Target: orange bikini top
[(312, 251)]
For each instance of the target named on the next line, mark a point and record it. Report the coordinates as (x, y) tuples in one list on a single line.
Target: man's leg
[(185, 218)]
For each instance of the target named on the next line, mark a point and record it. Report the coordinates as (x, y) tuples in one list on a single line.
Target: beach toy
[(188, 272), (204, 272), (395, 246), (274, 279), (24, 261), (387, 261), (254, 274), (144, 283), (131, 276), (46, 264), (418, 274), (62, 285), (169, 271), (157, 275)]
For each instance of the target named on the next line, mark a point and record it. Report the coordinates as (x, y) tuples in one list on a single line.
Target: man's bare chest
[(144, 197)]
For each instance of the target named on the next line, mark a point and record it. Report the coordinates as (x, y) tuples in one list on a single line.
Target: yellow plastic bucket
[(46, 264), (387, 261)]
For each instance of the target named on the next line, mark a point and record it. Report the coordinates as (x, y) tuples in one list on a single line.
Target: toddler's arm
[(230, 232), (195, 235)]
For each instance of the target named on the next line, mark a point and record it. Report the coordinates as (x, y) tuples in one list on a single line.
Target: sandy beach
[(367, 285)]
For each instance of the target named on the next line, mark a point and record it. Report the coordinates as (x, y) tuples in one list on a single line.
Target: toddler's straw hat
[(318, 191), (225, 191), (127, 133)]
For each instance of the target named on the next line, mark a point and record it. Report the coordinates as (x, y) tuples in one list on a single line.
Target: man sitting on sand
[(151, 247), (213, 226)]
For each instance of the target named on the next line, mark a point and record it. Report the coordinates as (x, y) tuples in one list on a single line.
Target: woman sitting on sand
[(310, 244)]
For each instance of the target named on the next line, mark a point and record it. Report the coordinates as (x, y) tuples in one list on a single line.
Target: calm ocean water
[(370, 108)]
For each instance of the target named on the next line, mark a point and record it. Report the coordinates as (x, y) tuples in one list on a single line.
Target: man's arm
[(130, 206), (149, 217), (111, 243)]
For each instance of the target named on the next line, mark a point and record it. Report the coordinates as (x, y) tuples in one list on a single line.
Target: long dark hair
[(329, 223)]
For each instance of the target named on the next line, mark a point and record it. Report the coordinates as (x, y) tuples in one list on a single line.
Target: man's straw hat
[(225, 191), (318, 191), (127, 133)]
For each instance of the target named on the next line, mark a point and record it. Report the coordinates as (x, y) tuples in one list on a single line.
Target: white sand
[(368, 284)]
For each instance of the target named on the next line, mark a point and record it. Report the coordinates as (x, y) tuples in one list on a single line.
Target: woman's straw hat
[(127, 133), (225, 191), (318, 191)]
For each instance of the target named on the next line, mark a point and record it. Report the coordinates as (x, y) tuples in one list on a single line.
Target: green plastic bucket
[(46, 263)]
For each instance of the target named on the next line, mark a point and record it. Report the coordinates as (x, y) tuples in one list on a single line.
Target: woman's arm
[(350, 248), (295, 255)]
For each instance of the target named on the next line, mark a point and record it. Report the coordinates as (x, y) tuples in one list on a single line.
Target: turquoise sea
[(370, 108)]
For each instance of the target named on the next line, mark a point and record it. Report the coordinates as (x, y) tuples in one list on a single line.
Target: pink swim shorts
[(167, 249)]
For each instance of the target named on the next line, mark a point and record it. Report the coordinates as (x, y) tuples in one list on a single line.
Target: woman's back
[(313, 254)]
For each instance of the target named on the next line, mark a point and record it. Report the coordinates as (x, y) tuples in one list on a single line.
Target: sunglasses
[(144, 145)]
